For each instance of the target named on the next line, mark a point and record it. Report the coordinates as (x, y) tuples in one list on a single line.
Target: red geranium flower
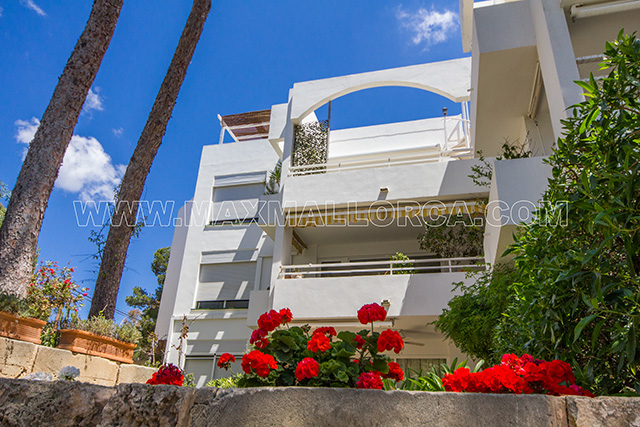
[(325, 330), (359, 342), (226, 360), (258, 338), (167, 374), (390, 340), (369, 380), (307, 368), (371, 313), (286, 315), (319, 343), (395, 372), (269, 321), (259, 362)]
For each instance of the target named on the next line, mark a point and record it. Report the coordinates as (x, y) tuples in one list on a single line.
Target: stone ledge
[(19, 359), (65, 403)]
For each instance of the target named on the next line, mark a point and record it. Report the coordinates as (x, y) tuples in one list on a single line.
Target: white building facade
[(323, 245)]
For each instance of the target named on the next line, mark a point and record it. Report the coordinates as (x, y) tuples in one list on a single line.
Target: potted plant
[(102, 337), (22, 318)]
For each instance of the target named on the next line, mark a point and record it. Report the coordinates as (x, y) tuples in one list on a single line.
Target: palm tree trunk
[(23, 218), (124, 216)]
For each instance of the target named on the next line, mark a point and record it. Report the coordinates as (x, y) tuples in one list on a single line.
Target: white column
[(557, 59)]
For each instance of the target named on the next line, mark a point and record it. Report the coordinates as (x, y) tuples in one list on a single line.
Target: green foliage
[(310, 144), (99, 325), (49, 337), (339, 366), (229, 382), (432, 380), (471, 318), (577, 296), (53, 289), (405, 267), (482, 173), (189, 381), (272, 186), (13, 304), (149, 304), (453, 236), (6, 195)]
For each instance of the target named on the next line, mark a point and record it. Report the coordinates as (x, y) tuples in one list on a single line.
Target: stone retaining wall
[(19, 358), (63, 403)]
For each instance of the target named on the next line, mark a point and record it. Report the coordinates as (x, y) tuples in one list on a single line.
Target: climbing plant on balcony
[(310, 144), (453, 236)]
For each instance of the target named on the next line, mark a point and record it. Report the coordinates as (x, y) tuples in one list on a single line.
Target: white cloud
[(428, 27), (93, 101), (31, 5), (86, 168), (117, 132), (1, 10), (26, 130)]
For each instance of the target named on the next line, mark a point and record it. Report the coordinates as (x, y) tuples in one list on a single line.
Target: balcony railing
[(390, 267), (456, 145)]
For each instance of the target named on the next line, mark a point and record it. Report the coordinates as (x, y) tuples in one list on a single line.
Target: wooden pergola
[(246, 126)]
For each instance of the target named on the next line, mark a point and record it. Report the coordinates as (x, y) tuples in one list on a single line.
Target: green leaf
[(346, 336), (380, 365), (581, 325)]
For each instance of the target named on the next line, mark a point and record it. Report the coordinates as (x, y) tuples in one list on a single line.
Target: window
[(226, 281), (222, 304)]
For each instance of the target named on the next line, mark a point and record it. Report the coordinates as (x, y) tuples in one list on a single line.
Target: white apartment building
[(322, 245)]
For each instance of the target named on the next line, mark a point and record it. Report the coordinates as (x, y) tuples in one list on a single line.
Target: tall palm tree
[(25, 212), (124, 216)]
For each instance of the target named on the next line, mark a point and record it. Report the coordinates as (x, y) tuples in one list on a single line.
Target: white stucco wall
[(342, 297), (445, 180)]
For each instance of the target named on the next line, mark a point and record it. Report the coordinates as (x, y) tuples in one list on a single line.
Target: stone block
[(16, 357), (51, 403), (95, 370), (134, 374), (338, 407), (603, 411), (148, 405)]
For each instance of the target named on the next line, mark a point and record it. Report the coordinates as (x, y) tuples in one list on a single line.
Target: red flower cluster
[(371, 313), (226, 360), (395, 372), (369, 380), (390, 340), (359, 342), (286, 315), (307, 368), (269, 321), (319, 342), (167, 374), (258, 338), (326, 330), (519, 375), (259, 362)]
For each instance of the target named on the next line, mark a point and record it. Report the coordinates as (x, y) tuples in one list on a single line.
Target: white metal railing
[(457, 145), (387, 267)]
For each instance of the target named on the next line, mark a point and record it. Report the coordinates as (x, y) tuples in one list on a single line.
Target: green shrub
[(99, 325), (229, 382), (471, 319)]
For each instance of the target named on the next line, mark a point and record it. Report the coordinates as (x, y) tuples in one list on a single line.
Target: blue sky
[(250, 54)]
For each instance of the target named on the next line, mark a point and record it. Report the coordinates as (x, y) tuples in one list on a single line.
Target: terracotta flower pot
[(21, 328), (96, 345)]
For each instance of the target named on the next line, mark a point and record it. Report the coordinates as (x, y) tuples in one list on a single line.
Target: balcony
[(417, 288), (419, 141)]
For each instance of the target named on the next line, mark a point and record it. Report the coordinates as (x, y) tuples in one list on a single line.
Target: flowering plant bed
[(96, 345), (21, 328), (283, 355), (517, 375)]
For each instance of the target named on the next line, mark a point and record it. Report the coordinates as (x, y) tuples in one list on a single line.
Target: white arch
[(451, 79)]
